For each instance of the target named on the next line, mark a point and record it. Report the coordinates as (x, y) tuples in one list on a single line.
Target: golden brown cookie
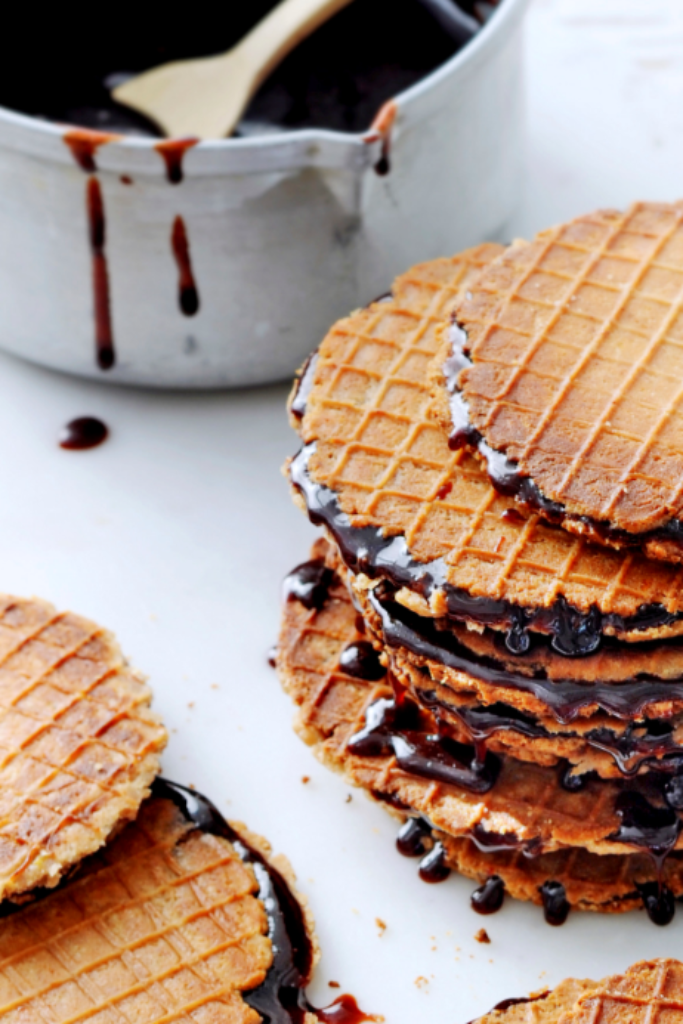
[(540, 1007), (650, 991), (376, 470), (174, 920), (79, 747), (574, 350)]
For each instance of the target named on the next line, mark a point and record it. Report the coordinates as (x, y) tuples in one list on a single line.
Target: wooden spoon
[(206, 97)]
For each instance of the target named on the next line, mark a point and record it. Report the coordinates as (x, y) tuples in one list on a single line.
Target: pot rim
[(30, 130)]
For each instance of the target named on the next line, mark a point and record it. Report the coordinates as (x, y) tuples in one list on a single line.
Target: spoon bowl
[(206, 97)]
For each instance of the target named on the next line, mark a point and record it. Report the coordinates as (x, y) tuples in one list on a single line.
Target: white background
[(177, 532)]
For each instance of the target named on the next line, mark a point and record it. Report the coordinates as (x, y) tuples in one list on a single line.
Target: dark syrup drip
[(410, 841), (280, 999), (503, 842), (396, 729), (565, 698), (361, 660), (647, 742), (84, 144), (488, 898), (433, 867), (366, 549), (658, 901), (555, 904), (84, 432), (574, 783), (344, 1010), (304, 386), (172, 151), (382, 127), (655, 829), (309, 584), (104, 337), (507, 479), (505, 1004), (188, 296)]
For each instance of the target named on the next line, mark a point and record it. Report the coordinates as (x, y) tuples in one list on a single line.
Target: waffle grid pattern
[(542, 1008), (78, 745), (650, 992), (163, 927), (527, 799), (390, 465), (577, 340)]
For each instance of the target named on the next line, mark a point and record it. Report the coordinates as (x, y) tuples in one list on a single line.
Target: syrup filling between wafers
[(366, 549)]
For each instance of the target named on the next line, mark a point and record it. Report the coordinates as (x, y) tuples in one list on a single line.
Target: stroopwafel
[(180, 917), (651, 991), (569, 380), (79, 746)]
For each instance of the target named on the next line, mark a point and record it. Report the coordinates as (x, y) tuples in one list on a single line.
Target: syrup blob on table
[(83, 432)]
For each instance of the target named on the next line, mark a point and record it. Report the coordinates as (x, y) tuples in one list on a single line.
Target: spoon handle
[(290, 22)]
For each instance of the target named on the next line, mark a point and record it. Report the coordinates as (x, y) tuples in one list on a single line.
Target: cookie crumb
[(215, 686), (191, 704), (482, 936), (349, 798), (421, 982), (381, 925), (333, 984), (305, 779)]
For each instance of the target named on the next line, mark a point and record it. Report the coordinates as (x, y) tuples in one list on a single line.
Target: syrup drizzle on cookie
[(309, 584), (368, 550), (280, 999), (360, 659), (566, 699), (489, 897), (555, 904), (396, 729)]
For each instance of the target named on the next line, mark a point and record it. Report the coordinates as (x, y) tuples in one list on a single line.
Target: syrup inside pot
[(338, 78)]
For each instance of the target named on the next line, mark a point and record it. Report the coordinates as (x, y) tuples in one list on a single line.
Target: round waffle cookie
[(501, 816), (79, 746), (350, 713), (567, 372), (650, 991), (181, 917), (377, 471)]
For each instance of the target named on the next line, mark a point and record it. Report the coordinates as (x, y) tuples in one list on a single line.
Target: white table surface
[(177, 532)]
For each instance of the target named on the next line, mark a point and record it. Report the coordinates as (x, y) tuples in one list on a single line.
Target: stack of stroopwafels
[(488, 640)]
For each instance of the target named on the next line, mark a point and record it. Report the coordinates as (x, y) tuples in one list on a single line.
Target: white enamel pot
[(278, 235)]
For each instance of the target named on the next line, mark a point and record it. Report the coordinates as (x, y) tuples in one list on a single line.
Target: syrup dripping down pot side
[(278, 235)]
